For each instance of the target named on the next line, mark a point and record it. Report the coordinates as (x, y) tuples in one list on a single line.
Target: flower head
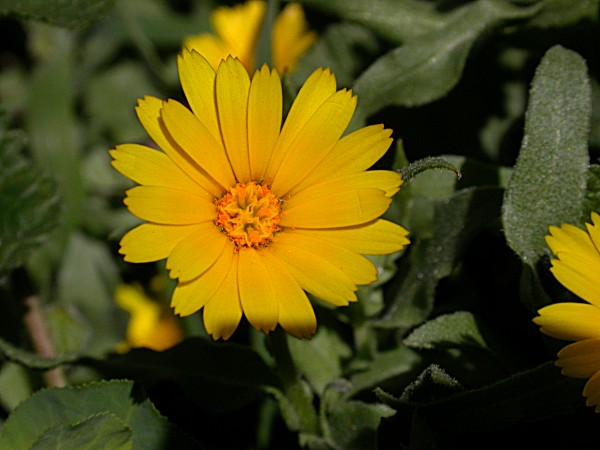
[(577, 267), (250, 214), (150, 325), (236, 33)]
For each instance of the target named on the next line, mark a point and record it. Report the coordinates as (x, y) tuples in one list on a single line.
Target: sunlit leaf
[(548, 183)]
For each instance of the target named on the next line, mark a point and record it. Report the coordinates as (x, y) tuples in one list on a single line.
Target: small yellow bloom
[(250, 214), (150, 325), (237, 30), (577, 267)]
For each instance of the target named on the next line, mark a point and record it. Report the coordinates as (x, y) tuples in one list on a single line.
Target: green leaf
[(50, 119), (548, 183), (592, 193), (395, 20), (527, 396), (338, 48), (398, 366), (459, 329), (29, 202), (111, 98), (101, 431), (66, 13), (353, 425), (404, 75), (15, 385), (86, 281), (319, 359), (433, 383), (218, 377), (562, 13), (67, 407), (456, 220), (32, 360)]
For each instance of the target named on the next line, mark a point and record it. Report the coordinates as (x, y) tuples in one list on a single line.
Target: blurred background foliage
[(439, 353)]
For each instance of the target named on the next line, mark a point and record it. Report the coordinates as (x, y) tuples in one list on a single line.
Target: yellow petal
[(579, 275), (223, 312), (352, 154), (314, 92), (314, 141), (190, 296), (338, 209), (571, 239), (153, 242), (264, 119), (198, 82), (213, 48), (592, 391), (168, 206), (257, 294), (291, 37), (356, 267), (148, 111), (384, 180), (377, 238), (315, 275), (232, 86), (239, 27), (198, 143), (569, 321), (580, 359), (150, 167), (198, 251), (296, 314)]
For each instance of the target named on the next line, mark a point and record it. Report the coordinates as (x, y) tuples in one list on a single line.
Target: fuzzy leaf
[(459, 329), (548, 184)]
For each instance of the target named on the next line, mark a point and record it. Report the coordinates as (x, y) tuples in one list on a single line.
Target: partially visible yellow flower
[(150, 325), (577, 267), (236, 33), (250, 214)]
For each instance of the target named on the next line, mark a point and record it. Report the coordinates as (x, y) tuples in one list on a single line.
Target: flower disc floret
[(249, 215)]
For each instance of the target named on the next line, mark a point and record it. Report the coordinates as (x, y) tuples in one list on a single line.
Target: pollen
[(249, 215)]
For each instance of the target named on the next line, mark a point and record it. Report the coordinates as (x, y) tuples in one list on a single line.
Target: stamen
[(249, 215)]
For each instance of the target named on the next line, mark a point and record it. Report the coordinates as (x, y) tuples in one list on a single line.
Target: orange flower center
[(249, 215)]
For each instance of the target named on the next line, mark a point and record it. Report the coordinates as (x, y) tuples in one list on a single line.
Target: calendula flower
[(250, 214), (237, 29), (577, 267), (149, 324)]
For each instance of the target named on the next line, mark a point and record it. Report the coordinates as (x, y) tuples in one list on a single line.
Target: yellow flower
[(251, 214), (237, 30), (577, 267), (149, 326)]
